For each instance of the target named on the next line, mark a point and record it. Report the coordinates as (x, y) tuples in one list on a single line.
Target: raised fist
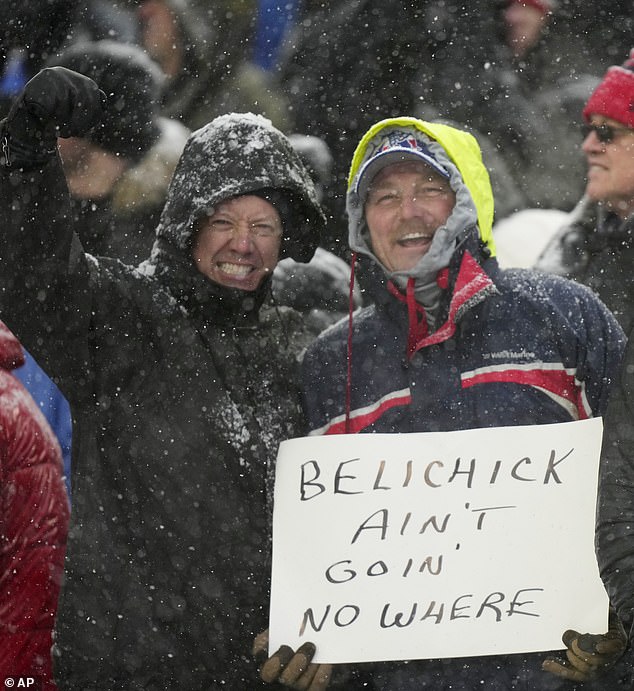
[(56, 102)]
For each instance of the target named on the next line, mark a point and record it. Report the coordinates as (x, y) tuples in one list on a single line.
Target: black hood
[(234, 154)]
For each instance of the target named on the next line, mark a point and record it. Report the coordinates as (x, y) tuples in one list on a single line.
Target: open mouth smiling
[(413, 239)]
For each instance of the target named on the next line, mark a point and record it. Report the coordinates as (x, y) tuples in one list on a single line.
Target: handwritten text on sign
[(414, 546)]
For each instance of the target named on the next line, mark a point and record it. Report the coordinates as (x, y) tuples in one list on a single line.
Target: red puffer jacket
[(34, 514)]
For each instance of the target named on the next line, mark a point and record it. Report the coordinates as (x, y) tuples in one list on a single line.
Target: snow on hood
[(233, 155), (459, 153)]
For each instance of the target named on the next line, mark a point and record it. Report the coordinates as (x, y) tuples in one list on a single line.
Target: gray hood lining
[(463, 217)]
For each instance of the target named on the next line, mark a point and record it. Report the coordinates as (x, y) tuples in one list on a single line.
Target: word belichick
[(341, 479)]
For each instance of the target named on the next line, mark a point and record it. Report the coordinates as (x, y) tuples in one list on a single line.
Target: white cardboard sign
[(431, 545)]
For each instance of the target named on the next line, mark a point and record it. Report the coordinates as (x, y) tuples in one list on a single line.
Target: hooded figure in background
[(119, 172), (451, 341), (181, 383)]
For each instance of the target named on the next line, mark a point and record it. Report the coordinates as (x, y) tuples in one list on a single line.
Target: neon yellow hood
[(463, 151)]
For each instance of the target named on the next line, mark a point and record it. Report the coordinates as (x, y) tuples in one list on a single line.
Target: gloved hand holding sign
[(291, 668), (587, 654)]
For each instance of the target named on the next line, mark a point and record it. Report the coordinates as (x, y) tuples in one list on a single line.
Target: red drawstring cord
[(415, 315), (353, 261), (412, 336)]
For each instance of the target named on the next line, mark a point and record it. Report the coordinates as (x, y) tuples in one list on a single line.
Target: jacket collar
[(466, 284)]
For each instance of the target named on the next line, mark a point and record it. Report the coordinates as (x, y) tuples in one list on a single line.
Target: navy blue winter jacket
[(518, 348), (501, 347)]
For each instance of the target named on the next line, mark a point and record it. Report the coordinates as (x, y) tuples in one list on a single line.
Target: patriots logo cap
[(395, 146)]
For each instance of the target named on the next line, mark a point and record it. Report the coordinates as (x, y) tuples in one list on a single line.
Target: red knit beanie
[(544, 6), (614, 97)]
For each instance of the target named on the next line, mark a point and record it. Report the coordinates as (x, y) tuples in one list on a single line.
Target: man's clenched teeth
[(238, 270)]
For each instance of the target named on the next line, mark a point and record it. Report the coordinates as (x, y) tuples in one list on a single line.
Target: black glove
[(57, 102), (589, 654)]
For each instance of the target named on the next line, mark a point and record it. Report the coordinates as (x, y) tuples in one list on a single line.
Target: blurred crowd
[(517, 74)]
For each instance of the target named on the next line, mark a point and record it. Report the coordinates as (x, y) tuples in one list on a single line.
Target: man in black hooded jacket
[(181, 386)]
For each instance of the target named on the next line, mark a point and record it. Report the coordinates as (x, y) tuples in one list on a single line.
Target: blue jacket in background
[(52, 404)]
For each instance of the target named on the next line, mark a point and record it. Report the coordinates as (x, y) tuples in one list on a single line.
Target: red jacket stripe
[(364, 417), (552, 378)]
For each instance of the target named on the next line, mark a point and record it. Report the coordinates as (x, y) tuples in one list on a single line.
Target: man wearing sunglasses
[(609, 149), (597, 248)]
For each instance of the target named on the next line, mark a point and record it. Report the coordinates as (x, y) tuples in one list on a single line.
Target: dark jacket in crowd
[(615, 509), (597, 249), (181, 391)]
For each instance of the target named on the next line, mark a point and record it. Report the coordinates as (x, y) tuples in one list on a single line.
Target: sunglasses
[(605, 133)]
